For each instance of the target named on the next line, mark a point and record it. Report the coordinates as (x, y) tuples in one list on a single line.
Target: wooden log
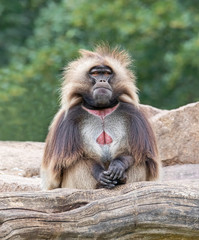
[(145, 210)]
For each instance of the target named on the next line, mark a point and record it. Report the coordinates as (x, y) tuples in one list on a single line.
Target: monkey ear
[(86, 53)]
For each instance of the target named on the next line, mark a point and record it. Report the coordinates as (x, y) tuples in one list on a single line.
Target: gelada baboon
[(99, 138)]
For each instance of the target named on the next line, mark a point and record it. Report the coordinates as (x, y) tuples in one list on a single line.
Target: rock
[(181, 172), (177, 134), (150, 111), (12, 183), (19, 166), (20, 158)]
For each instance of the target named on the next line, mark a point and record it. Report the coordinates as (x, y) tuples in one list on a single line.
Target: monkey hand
[(106, 181), (116, 171)]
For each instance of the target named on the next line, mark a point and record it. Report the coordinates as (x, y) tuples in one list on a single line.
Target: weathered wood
[(145, 210)]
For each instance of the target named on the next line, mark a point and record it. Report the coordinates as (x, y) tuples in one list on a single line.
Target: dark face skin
[(101, 95)]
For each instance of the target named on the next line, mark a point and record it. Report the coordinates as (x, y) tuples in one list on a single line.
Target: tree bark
[(145, 210)]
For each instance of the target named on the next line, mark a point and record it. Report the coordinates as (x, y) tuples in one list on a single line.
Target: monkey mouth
[(102, 96), (102, 90)]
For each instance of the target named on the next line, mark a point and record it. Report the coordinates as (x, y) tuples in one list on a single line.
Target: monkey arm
[(50, 178), (142, 142), (63, 146)]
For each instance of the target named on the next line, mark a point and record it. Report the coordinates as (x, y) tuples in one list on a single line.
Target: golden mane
[(75, 75)]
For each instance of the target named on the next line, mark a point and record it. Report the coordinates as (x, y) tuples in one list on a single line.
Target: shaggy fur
[(71, 151)]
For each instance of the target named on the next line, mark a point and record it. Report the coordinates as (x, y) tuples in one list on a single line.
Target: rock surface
[(13, 183), (19, 166), (151, 111), (20, 158), (177, 134), (181, 172)]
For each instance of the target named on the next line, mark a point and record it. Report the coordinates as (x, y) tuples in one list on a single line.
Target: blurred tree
[(17, 19), (162, 37)]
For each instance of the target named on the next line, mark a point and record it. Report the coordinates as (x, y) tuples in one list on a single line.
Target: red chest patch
[(103, 138), (101, 113)]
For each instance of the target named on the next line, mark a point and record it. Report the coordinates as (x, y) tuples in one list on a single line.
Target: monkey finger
[(103, 183), (107, 173), (105, 180), (110, 181), (104, 177), (120, 175), (115, 176), (110, 186), (113, 173), (107, 176), (110, 171), (123, 178)]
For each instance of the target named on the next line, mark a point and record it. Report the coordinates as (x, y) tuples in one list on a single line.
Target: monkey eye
[(100, 70), (94, 73), (107, 73)]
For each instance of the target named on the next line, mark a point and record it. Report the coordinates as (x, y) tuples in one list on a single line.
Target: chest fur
[(104, 134)]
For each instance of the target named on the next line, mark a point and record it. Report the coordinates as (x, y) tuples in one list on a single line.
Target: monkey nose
[(102, 80)]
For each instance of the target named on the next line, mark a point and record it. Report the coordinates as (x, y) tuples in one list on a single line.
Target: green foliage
[(39, 37)]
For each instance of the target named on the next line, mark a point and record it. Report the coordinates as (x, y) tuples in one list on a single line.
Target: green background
[(39, 37)]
